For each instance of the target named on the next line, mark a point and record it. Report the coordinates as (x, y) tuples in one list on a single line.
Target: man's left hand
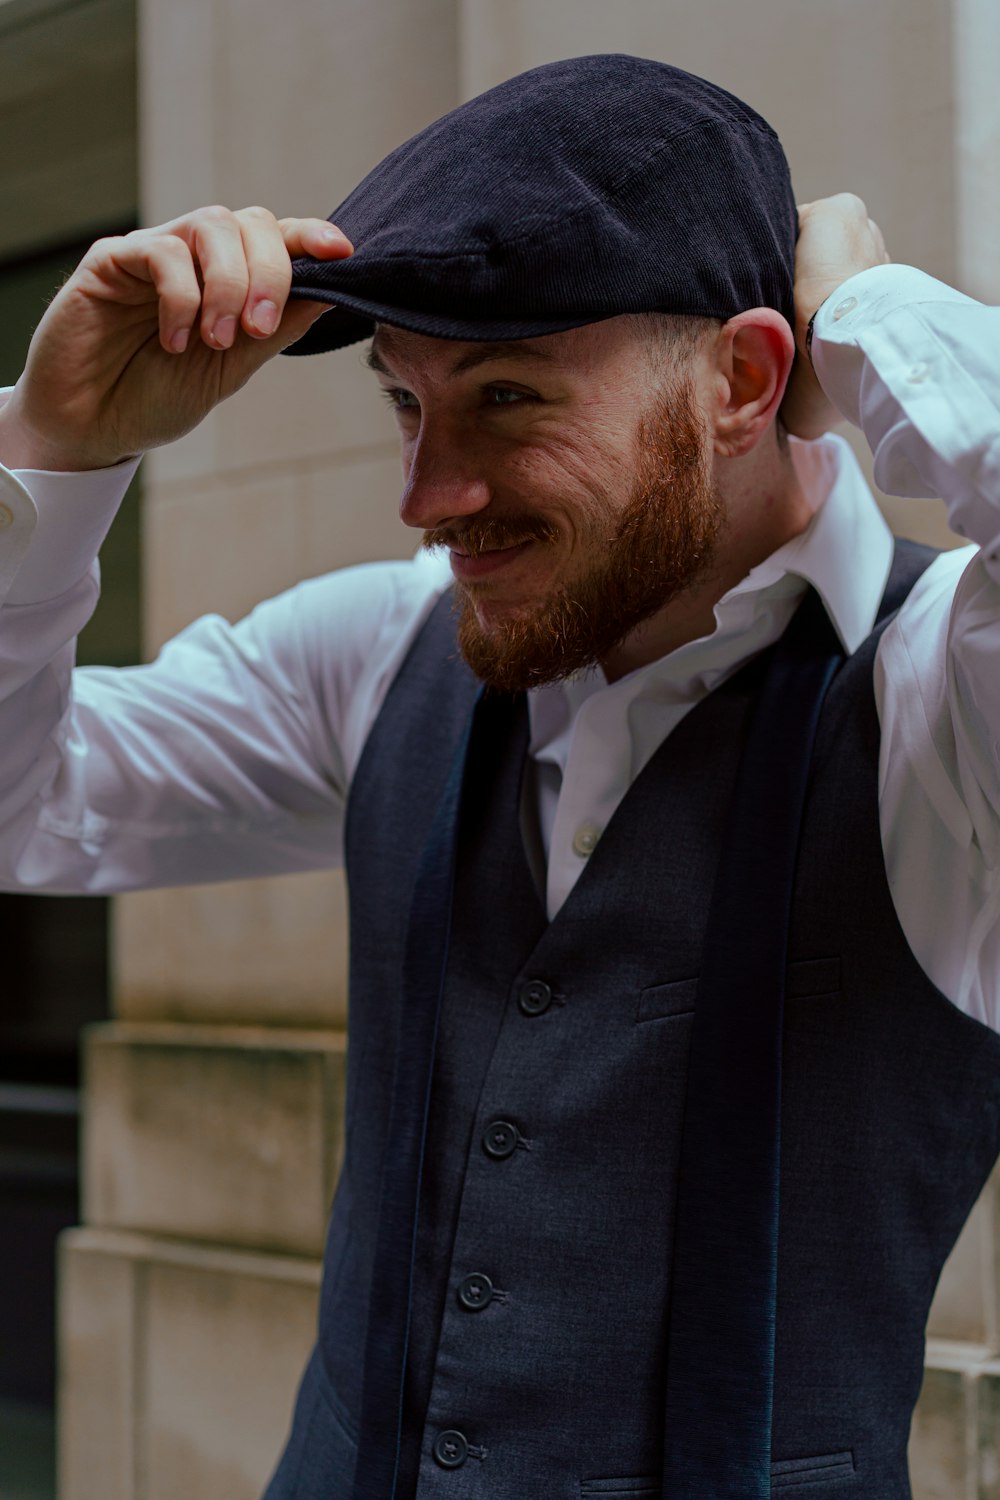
[(837, 239)]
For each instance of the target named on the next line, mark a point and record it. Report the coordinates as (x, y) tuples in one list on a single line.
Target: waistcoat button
[(500, 1139), (451, 1449), (535, 998), (475, 1291)]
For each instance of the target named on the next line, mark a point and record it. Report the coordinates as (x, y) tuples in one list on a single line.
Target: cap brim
[(353, 318)]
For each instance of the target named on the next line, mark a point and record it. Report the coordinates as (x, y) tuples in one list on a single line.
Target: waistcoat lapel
[(720, 1353), (390, 1313)]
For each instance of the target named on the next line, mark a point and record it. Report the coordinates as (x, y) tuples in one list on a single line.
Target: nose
[(443, 481)]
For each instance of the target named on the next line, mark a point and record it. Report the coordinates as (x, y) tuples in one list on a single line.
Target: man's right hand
[(155, 328)]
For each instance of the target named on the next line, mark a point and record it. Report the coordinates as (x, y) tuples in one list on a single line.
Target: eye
[(502, 395), (398, 399)]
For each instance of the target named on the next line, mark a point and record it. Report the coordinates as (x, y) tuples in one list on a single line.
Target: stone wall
[(213, 1120)]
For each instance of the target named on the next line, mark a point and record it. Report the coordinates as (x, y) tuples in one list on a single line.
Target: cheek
[(569, 470)]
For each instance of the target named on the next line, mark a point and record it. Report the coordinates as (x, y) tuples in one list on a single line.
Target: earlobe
[(756, 352)]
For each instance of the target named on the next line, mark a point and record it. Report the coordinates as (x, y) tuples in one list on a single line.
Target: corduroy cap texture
[(574, 192)]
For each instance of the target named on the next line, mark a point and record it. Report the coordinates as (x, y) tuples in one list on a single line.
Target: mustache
[(490, 534)]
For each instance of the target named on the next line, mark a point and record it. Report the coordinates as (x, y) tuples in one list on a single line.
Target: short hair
[(672, 339)]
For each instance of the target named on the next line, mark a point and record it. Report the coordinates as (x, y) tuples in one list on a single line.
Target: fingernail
[(265, 317), (179, 342), (224, 332)]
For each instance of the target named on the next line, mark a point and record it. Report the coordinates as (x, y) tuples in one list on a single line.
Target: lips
[(465, 566)]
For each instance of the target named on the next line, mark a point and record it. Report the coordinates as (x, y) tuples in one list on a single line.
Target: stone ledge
[(220, 1260)]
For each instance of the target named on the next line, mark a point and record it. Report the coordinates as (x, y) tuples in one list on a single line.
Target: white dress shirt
[(232, 755)]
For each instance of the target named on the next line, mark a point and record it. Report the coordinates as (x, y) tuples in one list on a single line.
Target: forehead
[(395, 350)]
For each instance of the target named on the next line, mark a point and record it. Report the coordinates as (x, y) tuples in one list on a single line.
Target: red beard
[(639, 558)]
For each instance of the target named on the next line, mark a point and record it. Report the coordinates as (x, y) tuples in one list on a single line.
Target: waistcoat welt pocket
[(806, 978), (610, 1489), (825, 1468)]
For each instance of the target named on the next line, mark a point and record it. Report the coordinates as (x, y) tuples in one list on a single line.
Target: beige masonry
[(179, 1363), (187, 1304)]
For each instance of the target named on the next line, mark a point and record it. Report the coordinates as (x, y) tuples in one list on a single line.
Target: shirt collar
[(845, 553), (846, 550)]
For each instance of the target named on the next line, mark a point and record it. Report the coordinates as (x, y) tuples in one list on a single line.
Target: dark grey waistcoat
[(554, 1127)]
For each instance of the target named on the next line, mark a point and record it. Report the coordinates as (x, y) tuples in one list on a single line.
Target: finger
[(250, 354), (316, 237), (849, 206), (165, 262), (269, 268), (217, 246)]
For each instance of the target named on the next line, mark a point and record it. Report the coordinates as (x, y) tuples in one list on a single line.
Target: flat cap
[(574, 192)]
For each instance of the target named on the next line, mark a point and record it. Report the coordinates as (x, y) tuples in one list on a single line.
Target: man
[(579, 897)]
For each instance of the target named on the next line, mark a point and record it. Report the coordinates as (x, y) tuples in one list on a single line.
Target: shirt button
[(451, 1449), (843, 308), (6, 517), (475, 1292), (918, 372), (535, 998), (585, 839), (500, 1139)]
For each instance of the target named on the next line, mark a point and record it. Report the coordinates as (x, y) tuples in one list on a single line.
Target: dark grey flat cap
[(571, 193)]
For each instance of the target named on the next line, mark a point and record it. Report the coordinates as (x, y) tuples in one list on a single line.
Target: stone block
[(302, 411), (219, 548), (348, 513), (232, 1136), (96, 1389), (988, 1432), (213, 1342), (942, 1451), (261, 952)]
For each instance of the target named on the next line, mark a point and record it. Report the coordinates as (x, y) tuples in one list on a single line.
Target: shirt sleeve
[(228, 757), (916, 365)]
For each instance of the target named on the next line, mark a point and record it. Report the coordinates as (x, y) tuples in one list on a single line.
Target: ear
[(754, 356)]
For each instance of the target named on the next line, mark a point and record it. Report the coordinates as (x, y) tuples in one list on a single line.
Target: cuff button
[(843, 308)]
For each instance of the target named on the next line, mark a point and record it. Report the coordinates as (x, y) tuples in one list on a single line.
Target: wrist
[(22, 447)]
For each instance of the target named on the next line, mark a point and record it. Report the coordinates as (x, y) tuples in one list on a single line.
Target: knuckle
[(257, 213), (853, 204), (184, 299), (226, 294), (231, 280), (272, 273), (217, 214), (108, 242), (173, 248)]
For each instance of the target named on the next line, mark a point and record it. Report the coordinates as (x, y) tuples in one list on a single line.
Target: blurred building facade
[(213, 1098)]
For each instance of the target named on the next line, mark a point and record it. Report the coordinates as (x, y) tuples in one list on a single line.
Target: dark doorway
[(67, 109)]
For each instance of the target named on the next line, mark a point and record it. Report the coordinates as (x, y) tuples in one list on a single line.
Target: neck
[(765, 507)]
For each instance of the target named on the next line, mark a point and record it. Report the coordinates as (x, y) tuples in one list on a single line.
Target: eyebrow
[(482, 354)]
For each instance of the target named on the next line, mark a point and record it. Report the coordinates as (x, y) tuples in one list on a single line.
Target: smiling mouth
[(467, 565)]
